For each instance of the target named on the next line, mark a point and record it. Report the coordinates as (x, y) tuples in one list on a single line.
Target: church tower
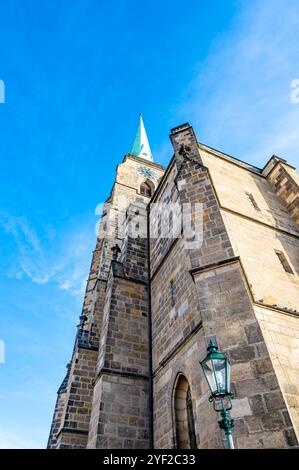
[(207, 249), (103, 400)]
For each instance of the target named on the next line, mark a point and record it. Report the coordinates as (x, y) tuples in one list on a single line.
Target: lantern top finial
[(212, 347)]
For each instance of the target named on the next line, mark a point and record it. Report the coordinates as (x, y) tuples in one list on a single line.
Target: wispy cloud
[(13, 440), (63, 259), (239, 99)]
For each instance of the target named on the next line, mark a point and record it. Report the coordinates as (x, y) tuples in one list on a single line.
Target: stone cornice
[(122, 373), (177, 347)]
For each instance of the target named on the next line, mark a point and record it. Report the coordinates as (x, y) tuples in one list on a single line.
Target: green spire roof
[(140, 147)]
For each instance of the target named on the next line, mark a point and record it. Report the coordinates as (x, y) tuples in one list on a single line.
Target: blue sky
[(76, 74)]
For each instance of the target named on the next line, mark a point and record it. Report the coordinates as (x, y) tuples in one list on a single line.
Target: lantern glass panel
[(210, 375), (220, 375)]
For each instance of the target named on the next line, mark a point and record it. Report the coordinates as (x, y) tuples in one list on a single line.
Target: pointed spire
[(140, 147)]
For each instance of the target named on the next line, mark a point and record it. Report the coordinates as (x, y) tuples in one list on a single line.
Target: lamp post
[(216, 368)]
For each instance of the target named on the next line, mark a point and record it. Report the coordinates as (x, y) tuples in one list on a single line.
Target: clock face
[(147, 172)]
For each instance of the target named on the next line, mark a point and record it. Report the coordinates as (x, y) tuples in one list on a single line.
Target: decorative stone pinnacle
[(115, 252), (83, 319), (184, 150)]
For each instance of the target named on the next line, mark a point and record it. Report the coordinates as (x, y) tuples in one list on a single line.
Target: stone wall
[(120, 412), (255, 235), (184, 360), (254, 243), (259, 409), (281, 333), (178, 339), (234, 181), (121, 421), (120, 399), (217, 305), (285, 182), (58, 414)]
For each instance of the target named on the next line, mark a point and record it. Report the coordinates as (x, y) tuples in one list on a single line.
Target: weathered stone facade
[(134, 380)]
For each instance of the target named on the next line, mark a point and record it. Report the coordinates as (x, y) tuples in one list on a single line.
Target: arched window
[(145, 189), (172, 292), (170, 223), (183, 414)]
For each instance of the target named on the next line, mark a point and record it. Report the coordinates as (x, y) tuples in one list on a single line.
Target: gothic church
[(154, 301)]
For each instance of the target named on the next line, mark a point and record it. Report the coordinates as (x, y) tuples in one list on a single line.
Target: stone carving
[(184, 150), (115, 252)]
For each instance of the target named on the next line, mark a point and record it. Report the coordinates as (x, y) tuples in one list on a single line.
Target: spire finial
[(140, 147)]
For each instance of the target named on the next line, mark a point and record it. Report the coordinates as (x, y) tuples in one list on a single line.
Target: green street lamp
[(216, 368)]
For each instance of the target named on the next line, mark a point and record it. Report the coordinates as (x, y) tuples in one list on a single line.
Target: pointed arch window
[(145, 189), (282, 258), (253, 201), (172, 292), (183, 415)]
